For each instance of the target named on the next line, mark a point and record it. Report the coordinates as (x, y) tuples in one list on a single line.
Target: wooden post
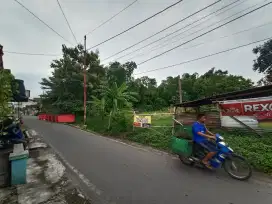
[(85, 81), (180, 91)]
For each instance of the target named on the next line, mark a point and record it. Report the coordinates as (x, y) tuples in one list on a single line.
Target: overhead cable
[(134, 26), (43, 22), (225, 36), (67, 21), (99, 26), (159, 46), (156, 56), (187, 25), (206, 56), (26, 53), (183, 19)]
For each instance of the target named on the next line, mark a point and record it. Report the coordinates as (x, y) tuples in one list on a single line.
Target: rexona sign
[(250, 108)]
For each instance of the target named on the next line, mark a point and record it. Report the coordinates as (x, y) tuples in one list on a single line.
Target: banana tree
[(116, 98)]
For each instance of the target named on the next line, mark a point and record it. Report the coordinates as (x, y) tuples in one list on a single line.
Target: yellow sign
[(142, 121)]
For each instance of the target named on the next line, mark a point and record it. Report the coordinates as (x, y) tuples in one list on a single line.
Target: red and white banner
[(262, 109)]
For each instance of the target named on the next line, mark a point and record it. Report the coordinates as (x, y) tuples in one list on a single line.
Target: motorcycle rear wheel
[(185, 160), (228, 164)]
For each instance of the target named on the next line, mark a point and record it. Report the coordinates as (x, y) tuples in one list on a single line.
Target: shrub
[(258, 151), (159, 138)]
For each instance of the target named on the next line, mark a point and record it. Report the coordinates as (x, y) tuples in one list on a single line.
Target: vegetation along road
[(115, 172)]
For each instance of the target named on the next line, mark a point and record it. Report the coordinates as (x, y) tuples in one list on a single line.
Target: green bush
[(159, 138), (258, 151)]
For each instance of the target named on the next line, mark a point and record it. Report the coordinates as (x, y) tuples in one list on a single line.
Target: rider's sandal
[(207, 165)]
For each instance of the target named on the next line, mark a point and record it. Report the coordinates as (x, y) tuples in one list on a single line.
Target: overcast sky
[(21, 32)]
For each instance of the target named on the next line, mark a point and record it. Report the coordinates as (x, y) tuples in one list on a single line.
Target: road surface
[(120, 173)]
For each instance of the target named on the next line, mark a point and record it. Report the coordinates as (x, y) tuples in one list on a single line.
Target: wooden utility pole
[(85, 82), (180, 91), (1, 57)]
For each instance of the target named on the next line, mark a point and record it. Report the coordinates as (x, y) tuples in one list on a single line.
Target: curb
[(70, 170)]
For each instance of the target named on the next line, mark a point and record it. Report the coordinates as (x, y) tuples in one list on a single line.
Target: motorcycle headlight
[(230, 149), (221, 138), (222, 144)]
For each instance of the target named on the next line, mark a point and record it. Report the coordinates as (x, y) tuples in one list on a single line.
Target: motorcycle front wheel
[(238, 167)]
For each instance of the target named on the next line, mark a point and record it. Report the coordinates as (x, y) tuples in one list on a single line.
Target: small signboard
[(142, 121)]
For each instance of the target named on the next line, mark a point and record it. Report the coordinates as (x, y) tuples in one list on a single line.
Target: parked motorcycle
[(11, 133), (192, 154)]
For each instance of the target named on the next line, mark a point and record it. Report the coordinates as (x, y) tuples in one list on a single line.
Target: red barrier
[(62, 118), (42, 116), (65, 118)]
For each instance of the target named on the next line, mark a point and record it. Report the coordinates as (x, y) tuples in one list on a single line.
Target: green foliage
[(258, 151), (159, 138), (263, 63), (64, 89), (5, 92)]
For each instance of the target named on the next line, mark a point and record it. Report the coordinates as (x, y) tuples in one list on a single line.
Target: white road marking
[(80, 175)]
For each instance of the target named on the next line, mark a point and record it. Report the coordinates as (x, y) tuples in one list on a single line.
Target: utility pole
[(180, 91), (1, 57), (84, 83)]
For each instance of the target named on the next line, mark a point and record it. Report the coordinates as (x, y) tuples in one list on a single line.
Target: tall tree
[(120, 73), (5, 92), (263, 63), (64, 89)]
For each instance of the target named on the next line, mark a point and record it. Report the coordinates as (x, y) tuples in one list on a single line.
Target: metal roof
[(255, 92)]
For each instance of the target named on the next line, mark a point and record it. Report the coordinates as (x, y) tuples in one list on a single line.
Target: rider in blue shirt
[(202, 137)]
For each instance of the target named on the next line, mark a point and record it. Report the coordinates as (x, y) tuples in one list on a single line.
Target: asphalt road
[(125, 174)]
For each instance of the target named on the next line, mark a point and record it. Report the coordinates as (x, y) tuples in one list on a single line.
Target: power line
[(42, 21), (67, 21), (163, 30), (159, 46), (130, 28), (204, 27), (225, 36), (206, 56), (26, 53), (206, 33), (112, 17), (176, 30)]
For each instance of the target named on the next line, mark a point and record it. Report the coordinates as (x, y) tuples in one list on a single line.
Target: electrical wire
[(206, 56), (112, 17), (201, 29), (35, 54), (156, 56), (130, 28), (225, 36), (159, 46), (204, 17), (42, 21), (67, 21), (187, 17)]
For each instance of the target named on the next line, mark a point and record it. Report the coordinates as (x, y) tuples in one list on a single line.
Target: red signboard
[(247, 108)]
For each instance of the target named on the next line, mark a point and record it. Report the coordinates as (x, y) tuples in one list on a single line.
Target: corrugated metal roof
[(256, 92)]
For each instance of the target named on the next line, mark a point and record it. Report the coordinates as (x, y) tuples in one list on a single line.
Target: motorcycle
[(225, 157), (11, 133)]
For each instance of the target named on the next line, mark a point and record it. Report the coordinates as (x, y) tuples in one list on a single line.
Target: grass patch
[(265, 125), (162, 120)]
